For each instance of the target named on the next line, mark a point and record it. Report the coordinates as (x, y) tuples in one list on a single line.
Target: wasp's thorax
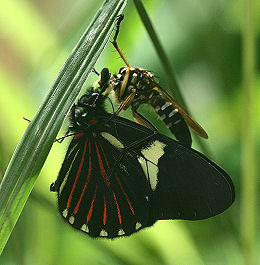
[(134, 86), (140, 80)]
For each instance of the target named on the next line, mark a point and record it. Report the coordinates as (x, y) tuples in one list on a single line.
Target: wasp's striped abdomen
[(170, 115)]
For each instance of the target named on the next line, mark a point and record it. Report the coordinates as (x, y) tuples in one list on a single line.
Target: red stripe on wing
[(78, 135), (91, 206), (105, 156), (77, 176), (105, 212), (93, 121), (119, 182), (118, 210), (131, 208), (87, 180), (102, 169)]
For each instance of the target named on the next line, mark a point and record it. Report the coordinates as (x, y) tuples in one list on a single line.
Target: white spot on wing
[(103, 233), (150, 171), (115, 142), (138, 225), (152, 153), (71, 219), (65, 212), (84, 228), (121, 232)]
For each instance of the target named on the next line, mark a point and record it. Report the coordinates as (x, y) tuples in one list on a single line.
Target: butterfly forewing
[(101, 190), (185, 184)]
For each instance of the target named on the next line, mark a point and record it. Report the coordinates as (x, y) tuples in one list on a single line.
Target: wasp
[(134, 86)]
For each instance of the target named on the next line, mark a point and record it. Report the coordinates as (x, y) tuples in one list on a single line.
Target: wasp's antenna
[(113, 109)]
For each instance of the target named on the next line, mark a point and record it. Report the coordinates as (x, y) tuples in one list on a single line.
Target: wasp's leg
[(124, 105), (114, 42), (130, 147), (142, 120)]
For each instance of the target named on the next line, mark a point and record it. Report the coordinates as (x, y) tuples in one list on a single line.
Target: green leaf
[(36, 142)]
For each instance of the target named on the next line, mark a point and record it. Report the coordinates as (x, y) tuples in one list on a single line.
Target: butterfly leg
[(124, 105), (74, 124), (59, 140)]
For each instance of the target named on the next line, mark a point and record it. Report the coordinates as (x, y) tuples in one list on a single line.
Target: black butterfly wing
[(102, 190), (190, 186), (185, 183), (124, 178)]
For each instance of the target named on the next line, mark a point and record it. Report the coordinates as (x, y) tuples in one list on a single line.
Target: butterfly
[(119, 177)]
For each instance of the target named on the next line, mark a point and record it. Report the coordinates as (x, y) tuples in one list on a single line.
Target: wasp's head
[(103, 81), (104, 78)]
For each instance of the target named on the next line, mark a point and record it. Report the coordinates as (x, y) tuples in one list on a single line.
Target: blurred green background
[(203, 42)]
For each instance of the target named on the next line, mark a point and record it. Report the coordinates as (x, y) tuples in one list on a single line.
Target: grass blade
[(36, 142)]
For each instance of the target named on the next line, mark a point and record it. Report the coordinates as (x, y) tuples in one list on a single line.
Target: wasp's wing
[(190, 121), (102, 190), (190, 186), (185, 183)]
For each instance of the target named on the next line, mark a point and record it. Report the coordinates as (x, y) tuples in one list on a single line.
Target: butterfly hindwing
[(102, 190)]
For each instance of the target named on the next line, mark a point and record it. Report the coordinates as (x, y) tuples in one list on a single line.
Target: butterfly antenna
[(113, 109), (112, 105)]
